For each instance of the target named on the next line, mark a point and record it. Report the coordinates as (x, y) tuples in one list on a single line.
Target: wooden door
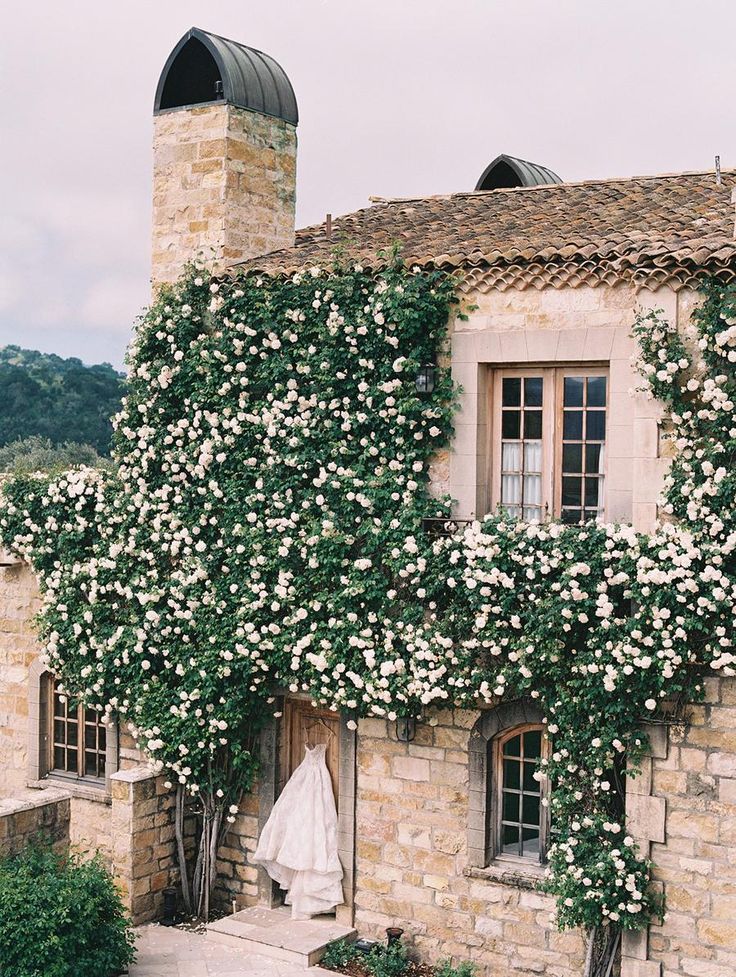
[(305, 725)]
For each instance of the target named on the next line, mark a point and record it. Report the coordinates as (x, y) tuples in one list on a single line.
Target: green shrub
[(388, 961), (60, 917), (464, 969), (338, 954)]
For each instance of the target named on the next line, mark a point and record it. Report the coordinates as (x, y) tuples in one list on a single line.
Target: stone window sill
[(98, 795), (509, 873)]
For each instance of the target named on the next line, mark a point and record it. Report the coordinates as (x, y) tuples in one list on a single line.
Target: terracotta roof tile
[(646, 228)]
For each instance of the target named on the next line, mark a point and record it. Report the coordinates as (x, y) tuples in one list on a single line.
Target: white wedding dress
[(298, 844)]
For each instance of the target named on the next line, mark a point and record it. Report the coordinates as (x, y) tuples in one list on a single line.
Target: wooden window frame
[(552, 424), (56, 773), (495, 785)]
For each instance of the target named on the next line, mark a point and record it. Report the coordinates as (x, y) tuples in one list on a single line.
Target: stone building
[(551, 275)]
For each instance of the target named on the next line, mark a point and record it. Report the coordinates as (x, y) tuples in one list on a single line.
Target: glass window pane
[(58, 705), (532, 424), (512, 747), (573, 392), (593, 458), (572, 457), (571, 490), (532, 513), (71, 756), (510, 489), (532, 456), (530, 809), (591, 492), (90, 737), (530, 783), (511, 392), (572, 425), (571, 516), (533, 744), (512, 774), (511, 425), (533, 391), (59, 756), (90, 764), (596, 391), (511, 806), (59, 731), (511, 456), (102, 739), (71, 733), (533, 489), (90, 716), (530, 842), (510, 839), (595, 423)]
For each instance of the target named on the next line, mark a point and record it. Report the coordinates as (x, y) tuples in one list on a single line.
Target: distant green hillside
[(59, 399)]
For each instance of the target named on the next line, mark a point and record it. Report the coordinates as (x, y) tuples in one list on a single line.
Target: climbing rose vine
[(263, 531)]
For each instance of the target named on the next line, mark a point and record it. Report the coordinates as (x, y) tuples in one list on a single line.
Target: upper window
[(519, 820), (548, 450), (77, 740)]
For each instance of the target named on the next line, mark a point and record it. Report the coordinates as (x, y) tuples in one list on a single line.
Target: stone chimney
[(224, 148)]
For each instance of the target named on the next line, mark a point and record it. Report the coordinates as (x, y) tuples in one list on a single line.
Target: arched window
[(519, 820), (508, 819)]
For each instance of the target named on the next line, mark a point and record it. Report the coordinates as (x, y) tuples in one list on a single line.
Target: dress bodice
[(315, 753)]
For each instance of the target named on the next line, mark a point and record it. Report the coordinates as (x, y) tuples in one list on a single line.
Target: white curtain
[(522, 471)]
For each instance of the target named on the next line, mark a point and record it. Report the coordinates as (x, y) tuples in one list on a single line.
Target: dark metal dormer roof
[(204, 67), (508, 171)]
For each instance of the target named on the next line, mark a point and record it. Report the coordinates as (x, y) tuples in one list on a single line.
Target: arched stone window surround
[(489, 725), (39, 703)]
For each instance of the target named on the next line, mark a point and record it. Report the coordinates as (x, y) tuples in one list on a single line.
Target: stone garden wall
[(33, 815)]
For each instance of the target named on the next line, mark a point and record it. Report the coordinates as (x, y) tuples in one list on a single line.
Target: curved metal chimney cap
[(250, 78), (528, 174)]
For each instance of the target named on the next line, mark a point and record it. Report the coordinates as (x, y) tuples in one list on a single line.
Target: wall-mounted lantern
[(406, 728), (426, 378), (8, 559)]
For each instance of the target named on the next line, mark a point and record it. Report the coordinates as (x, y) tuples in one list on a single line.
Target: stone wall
[(31, 816), (19, 604), (696, 861), (412, 867), (143, 841), (224, 186)]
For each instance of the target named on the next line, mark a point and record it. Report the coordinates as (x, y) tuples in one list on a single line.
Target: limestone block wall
[(561, 327), (695, 862), (143, 841), (237, 875), (224, 186), (30, 816), (412, 865), (19, 603)]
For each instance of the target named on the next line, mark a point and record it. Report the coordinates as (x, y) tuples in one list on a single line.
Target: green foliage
[(338, 954), (37, 454), (464, 969), (60, 917), (56, 398), (264, 529), (388, 961)]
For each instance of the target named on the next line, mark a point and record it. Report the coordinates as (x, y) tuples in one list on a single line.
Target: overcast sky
[(396, 97)]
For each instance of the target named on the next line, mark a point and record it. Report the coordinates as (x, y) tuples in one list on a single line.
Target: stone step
[(273, 933)]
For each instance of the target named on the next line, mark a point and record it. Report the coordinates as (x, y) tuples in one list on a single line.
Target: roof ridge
[(552, 186)]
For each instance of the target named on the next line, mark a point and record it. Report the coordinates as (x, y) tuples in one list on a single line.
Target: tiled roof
[(674, 227)]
